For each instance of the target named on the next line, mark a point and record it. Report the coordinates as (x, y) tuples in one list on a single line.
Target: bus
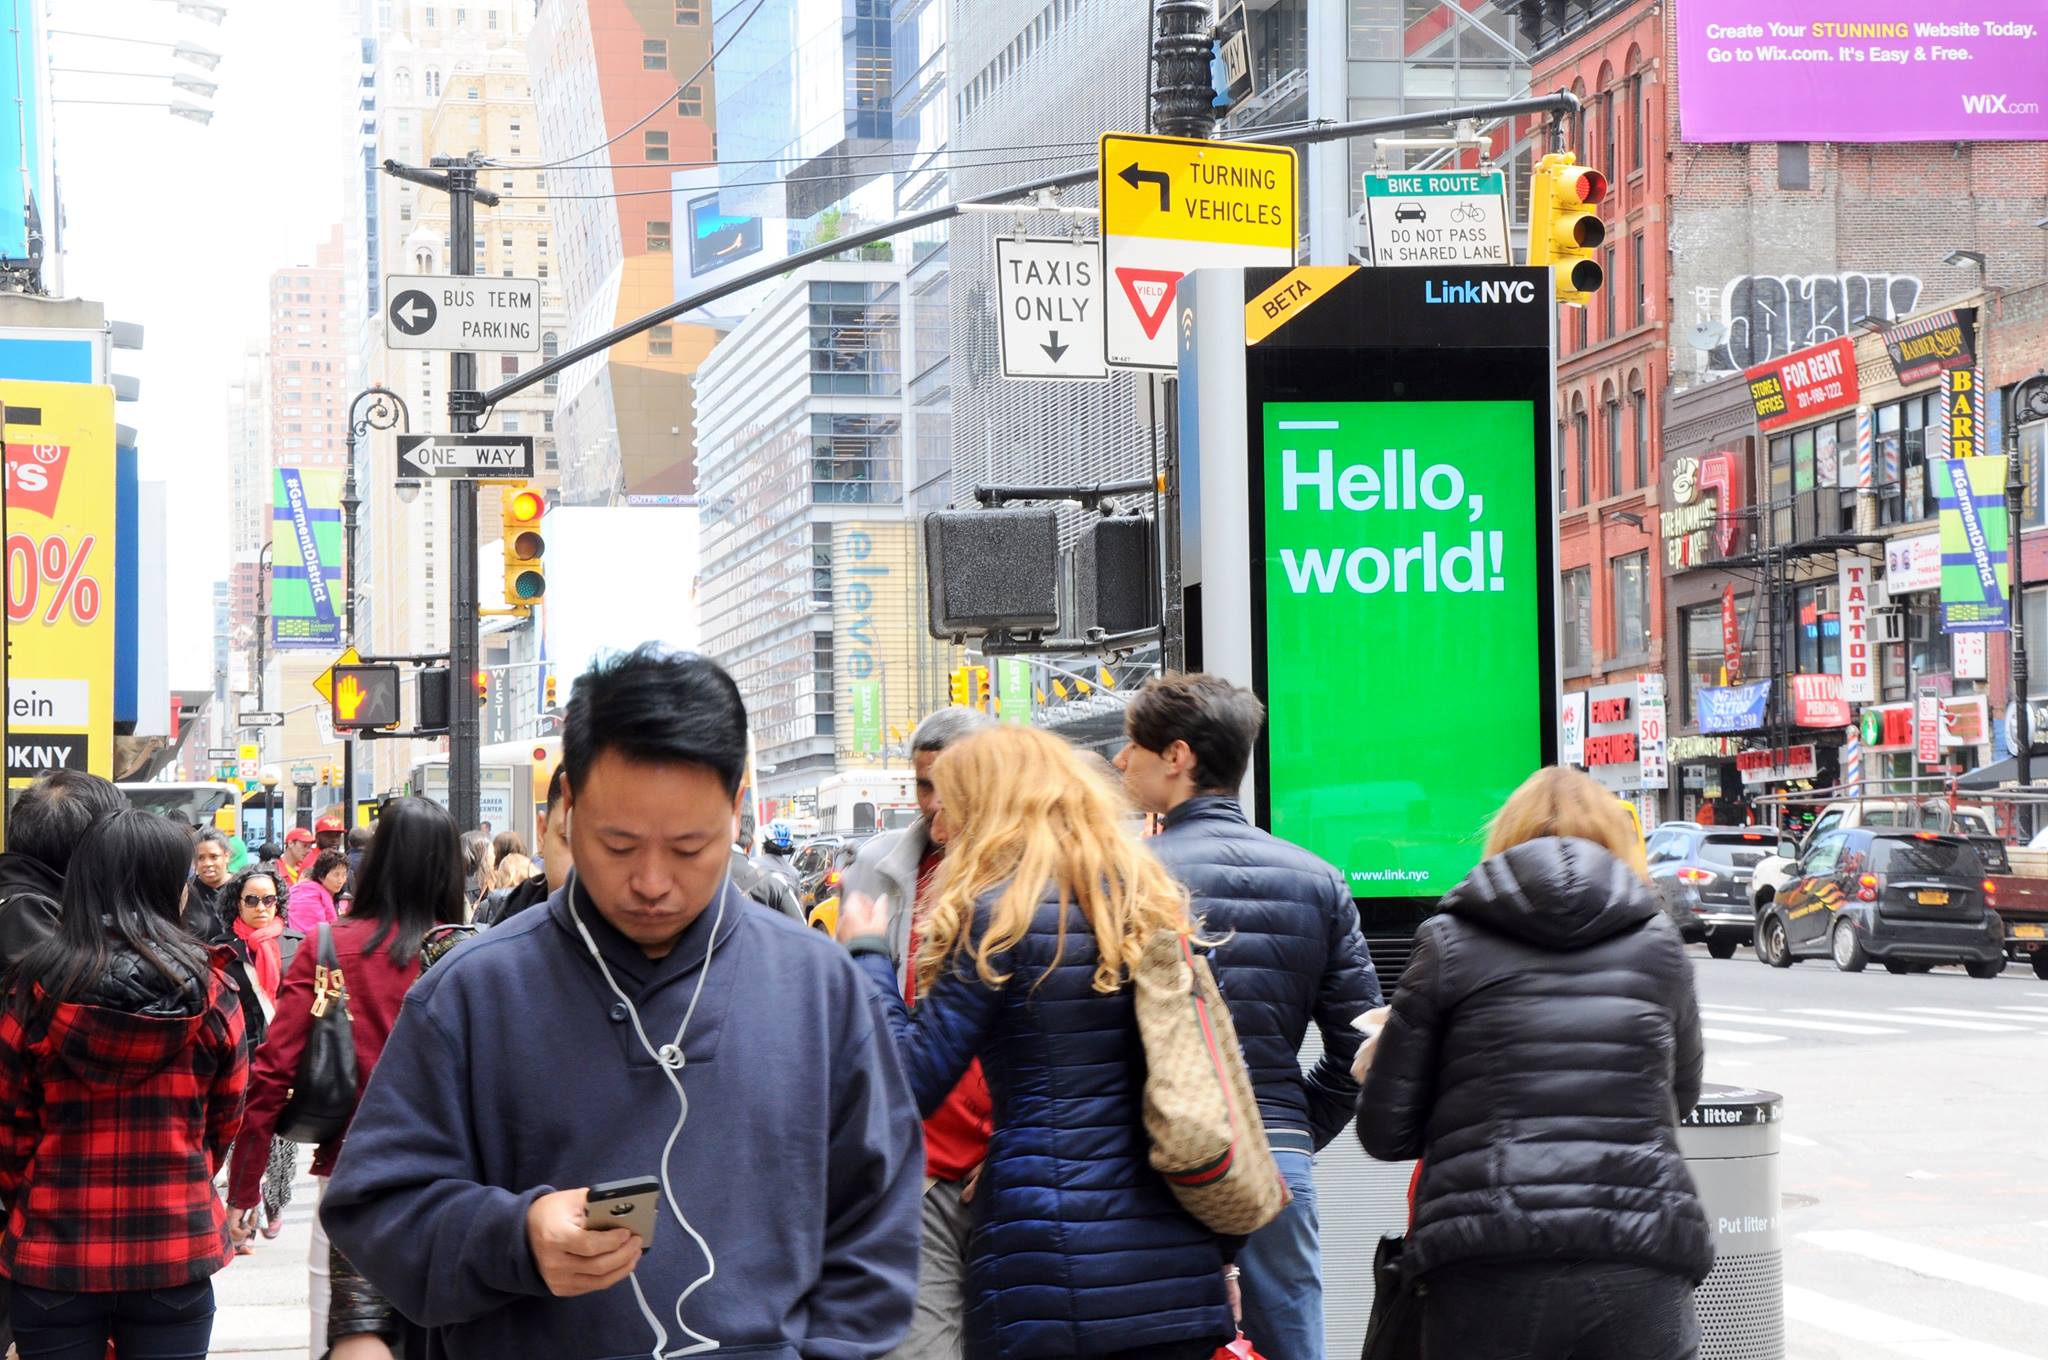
[(214, 803)]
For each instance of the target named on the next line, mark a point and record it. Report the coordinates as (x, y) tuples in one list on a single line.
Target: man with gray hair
[(900, 865)]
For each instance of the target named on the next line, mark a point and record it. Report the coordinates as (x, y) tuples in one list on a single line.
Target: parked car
[(1926, 814), (820, 864), (1701, 874), (1909, 899)]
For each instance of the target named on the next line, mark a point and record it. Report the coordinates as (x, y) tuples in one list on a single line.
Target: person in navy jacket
[(554, 1053), (1288, 952), (1043, 905)]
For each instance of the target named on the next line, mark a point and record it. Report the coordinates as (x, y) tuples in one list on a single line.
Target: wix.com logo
[(1437, 291), (1997, 103)]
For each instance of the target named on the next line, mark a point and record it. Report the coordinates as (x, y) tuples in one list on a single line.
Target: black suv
[(1701, 874), (1909, 899)]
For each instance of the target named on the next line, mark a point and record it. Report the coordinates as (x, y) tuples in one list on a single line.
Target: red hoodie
[(114, 1119)]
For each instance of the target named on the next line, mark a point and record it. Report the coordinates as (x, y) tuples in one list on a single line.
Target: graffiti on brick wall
[(1767, 316)]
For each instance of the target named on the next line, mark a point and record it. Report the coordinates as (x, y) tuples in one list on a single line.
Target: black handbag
[(324, 1091), (1395, 1331)]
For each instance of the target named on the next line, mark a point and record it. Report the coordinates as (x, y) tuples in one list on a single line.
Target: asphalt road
[(1916, 1110)]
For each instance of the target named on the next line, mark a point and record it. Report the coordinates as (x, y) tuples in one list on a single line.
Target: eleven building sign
[(1859, 658)]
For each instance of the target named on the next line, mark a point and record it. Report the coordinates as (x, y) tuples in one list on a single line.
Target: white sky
[(178, 227)]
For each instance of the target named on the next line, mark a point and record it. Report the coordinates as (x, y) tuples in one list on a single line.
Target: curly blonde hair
[(1026, 812)]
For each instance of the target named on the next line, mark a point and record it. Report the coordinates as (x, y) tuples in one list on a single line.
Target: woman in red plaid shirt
[(122, 1077)]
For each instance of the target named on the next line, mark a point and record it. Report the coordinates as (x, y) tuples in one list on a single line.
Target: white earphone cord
[(671, 1060)]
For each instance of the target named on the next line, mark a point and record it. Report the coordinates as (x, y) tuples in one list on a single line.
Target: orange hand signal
[(348, 698)]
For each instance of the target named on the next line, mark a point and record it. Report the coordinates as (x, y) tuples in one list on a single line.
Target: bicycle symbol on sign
[(1468, 212)]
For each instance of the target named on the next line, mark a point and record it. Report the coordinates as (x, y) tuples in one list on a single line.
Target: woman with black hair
[(314, 896), (411, 881), (122, 1073), (264, 947)]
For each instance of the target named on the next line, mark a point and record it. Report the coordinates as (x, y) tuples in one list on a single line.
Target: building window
[(1578, 619), (1642, 449), (654, 54), (658, 237), (654, 146), (550, 348), (689, 13), (856, 459), (1614, 486), (1817, 630), (856, 343), (1795, 165), (1705, 659), (661, 340), (1631, 604), (1638, 276), (508, 365), (1582, 454), (1613, 285), (1638, 119), (433, 77), (690, 103), (433, 21)]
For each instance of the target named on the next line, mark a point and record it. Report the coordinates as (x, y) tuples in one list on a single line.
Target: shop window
[(1705, 658), (1816, 629), (1795, 165), (1631, 583), (1578, 619)]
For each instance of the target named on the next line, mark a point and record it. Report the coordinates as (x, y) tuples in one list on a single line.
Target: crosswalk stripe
[(1971, 1015), (2025, 1010), (1894, 1335), (1737, 1036), (1934, 1262), (1825, 1026), (1983, 1027)]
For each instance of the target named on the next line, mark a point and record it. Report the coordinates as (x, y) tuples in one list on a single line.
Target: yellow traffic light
[(521, 509), (957, 683), (977, 687), (483, 687), (551, 692), (1565, 230)]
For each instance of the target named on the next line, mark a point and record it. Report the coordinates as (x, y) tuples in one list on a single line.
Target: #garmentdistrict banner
[(305, 558), (1013, 688), (1874, 71), (867, 717), (1974, 574), (59, 441)]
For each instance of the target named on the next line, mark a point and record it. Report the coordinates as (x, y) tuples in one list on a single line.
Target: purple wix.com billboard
[(1875, 71)]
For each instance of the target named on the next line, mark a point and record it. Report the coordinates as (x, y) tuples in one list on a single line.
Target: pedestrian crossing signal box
[(1369, 542), (364, 697)]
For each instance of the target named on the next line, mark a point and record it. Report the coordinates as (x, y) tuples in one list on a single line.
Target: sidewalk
[(262, 1298)]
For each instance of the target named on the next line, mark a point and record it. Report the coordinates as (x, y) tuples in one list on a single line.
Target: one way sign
[(1048, 291), (470, 457)]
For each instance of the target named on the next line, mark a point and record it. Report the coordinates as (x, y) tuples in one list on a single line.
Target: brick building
[(1613, 355)]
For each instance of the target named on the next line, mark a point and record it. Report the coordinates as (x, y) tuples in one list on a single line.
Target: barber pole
[(1852, 763), (1866, 449)]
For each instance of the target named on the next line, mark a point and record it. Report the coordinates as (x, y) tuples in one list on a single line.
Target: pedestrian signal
[(1565, 231), (364, 697), (521, 509)]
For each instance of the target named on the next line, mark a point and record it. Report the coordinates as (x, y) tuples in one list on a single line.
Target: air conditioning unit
[(1888, 625), (1826, 600)]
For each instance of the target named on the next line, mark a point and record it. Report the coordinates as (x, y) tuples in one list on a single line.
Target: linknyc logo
[(1438, 292)]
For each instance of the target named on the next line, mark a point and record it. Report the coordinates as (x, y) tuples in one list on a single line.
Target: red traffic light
[(1589, 185)]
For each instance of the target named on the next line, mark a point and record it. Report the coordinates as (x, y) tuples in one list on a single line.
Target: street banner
[(59, 440), (1859, 657), (1961, 424), (305, 558), (1571, 729), (1651, 731), (1876, 71), (1373, 492), (1817, 701), (867, 717), (1013, 688), (1733, 708), (1973, 538)]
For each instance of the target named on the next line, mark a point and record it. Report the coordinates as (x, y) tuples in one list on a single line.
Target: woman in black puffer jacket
[(1542, 1047)]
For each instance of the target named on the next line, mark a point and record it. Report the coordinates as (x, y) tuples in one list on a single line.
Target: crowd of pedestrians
[(607, 1095)]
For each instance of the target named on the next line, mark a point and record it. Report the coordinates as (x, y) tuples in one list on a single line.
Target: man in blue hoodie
[(649, 1022)]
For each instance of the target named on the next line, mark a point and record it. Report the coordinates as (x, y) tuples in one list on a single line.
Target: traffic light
[(1565, 230), (977, 687), (550, 690), (434, 700), (959, 686), (483, 688), (521, 509)]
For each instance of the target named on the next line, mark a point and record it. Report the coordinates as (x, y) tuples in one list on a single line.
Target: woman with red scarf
[(263, 945)]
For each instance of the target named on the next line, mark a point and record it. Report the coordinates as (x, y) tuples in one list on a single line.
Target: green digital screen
[(1403, 553)]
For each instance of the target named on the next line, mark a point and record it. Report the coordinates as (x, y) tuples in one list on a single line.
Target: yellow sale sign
[(60, 577)]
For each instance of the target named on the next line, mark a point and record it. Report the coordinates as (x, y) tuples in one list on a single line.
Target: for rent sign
[(1805, 385)]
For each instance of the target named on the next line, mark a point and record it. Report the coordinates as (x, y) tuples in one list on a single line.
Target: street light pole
[(2029, 404), (387, 409)]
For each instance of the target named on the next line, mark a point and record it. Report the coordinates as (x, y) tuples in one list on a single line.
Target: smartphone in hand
[(631, 1204)]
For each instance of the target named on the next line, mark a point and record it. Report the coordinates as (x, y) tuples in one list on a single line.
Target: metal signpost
[(472, 456), (1050, 300), (1437, 217), (1172, 205)]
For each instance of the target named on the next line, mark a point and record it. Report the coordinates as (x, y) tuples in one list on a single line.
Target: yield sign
[(1151, 294)]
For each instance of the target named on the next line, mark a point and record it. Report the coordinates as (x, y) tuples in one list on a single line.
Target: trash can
[(1730, 1142)]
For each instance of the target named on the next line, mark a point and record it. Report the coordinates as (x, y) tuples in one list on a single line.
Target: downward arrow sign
[(1055, 350)]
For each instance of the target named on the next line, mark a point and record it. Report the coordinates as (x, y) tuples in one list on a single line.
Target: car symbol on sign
[(1410, 211)]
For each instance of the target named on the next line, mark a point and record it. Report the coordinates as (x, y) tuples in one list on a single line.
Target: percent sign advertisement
[(60, 577)]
